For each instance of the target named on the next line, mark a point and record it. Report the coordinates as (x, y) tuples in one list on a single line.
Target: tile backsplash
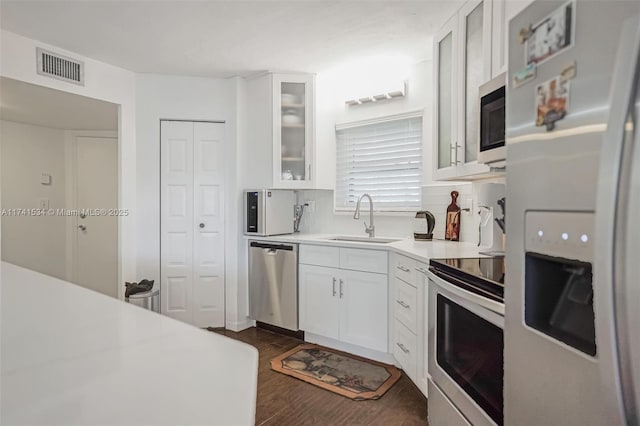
[(434, 198)]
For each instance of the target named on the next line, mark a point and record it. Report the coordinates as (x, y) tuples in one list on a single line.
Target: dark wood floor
[(284, 400)]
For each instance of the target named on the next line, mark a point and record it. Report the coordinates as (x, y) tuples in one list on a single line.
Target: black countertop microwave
[(491, 148)]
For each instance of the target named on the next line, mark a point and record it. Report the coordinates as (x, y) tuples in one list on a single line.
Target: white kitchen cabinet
[(423, 318), (406, 304), (363, 309), (462, 62), (281, 113), (503, 11), (409, 338), (343, 304), (319, 306)]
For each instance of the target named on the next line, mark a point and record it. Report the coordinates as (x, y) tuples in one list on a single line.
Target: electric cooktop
[(482, 275)]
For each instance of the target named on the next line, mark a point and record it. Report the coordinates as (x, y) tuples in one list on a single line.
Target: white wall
[(237, 296), (104, 82), (332, 90), (34, 242), (184, 98), (334, 87)]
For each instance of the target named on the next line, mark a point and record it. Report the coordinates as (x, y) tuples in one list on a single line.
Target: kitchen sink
[(364, 239)]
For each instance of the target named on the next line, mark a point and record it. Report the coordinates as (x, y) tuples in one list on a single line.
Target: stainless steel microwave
[(268, 211), (491, 148)]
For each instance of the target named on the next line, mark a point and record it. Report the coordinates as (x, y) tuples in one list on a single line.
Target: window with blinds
[(382, 158)]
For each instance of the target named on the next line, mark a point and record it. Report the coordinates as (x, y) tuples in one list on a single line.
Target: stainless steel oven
[(466, 322)]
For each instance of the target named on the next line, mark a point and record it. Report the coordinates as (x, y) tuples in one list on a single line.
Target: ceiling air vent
[(60, 67)]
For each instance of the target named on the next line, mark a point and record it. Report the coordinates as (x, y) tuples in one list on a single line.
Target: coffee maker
[(491, 199)]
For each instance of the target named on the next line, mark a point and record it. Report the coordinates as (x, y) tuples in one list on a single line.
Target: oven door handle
[(470, 298)]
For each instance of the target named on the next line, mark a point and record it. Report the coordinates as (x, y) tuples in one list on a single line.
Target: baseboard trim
[(423, 386), (238, 326), (387, 358), (279, 330)]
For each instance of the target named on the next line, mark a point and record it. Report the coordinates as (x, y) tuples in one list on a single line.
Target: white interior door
[(96, 227), (192, 222), (208, 248), (176, 220)]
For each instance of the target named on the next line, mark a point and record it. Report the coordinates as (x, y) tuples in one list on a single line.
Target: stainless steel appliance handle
[(469, 300), (612, 292)]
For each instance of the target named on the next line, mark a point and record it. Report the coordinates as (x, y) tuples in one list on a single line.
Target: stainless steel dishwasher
[(273, 284)]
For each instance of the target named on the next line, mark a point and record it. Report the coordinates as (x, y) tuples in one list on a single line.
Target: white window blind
[(382, 158)]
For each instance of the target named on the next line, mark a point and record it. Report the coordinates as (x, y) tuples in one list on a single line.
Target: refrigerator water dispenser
[(558, 298)]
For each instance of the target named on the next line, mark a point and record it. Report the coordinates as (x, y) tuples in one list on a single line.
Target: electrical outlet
[(311, 208), (467, 203), (45, 179)]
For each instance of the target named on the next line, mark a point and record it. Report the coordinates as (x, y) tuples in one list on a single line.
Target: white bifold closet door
[(192, 222)]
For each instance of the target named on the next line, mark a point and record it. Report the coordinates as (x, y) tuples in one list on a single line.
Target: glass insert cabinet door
[(445, 121), (293, 130), (474, 77)]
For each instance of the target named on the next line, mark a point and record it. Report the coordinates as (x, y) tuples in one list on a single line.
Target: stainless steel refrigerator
[(572, 291)]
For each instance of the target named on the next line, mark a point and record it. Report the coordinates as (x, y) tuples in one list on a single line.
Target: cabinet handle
[(309, 167), (455, 147), (403, 304), (334, 287), (402, 347), (402, 268), (341, 293), (421, 270)]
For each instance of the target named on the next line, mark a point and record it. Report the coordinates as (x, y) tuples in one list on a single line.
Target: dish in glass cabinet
[(291, 118), (289, 99)]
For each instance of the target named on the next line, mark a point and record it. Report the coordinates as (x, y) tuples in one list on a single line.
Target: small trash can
[(147, 300)]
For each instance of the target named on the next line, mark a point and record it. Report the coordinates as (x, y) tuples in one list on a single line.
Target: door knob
[(201, 225), (82, 227)]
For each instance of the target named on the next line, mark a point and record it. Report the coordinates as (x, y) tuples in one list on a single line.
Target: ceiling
[(227, 38), (41, 106)]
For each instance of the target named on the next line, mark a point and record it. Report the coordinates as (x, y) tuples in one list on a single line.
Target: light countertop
[(418, 250), (75, 357)]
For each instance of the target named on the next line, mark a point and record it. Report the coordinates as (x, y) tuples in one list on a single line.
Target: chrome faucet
[(371, 230)]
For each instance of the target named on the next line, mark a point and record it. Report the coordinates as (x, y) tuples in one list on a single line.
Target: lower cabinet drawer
[(404, 268), (405, 306), (405, 350), (364, 260), (319, 255)]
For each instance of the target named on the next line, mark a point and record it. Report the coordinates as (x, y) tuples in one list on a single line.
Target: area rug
[(345, 374)]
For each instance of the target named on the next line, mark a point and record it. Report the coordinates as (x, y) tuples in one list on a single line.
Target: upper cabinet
[(280, 112), (292, 130), (462, 63), (503, 11)]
